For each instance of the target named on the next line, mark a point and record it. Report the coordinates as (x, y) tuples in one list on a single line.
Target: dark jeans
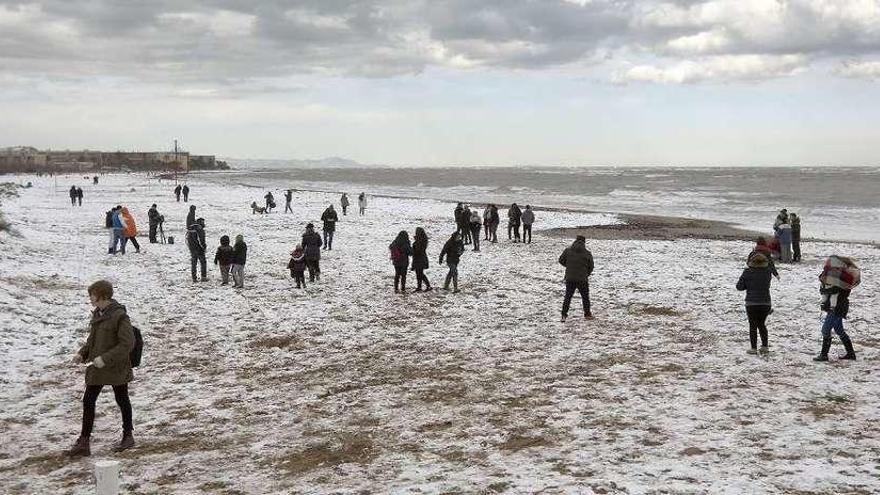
[(185, 197), (90, 397), (314, 267), (796, 248), (299, 278), (328, 239), (134, 242), (583, 288), (400, 277), (757, 316), (527, 229), (493, 231), (513, 228), (834, 322), (465, 232), (420, 277), (475, 235), (198, 258), (345, 209), (452, 276), (224, 274), (153, 227), (287, 207)]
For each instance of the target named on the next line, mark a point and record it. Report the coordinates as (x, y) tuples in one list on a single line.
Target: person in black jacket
[(795, 237), (239, 258), (177, 193), (185, 191), (578, 263), (79, 196), (420, 259), (154, 218), (195, 240), (835, 302), (755, 280), (270, 201), (311, 243), (495, 220), (452, 250), (329, 218), (224, 257), (297, 266), (191, 216), (288, 197), (401, 250), (514, 215)]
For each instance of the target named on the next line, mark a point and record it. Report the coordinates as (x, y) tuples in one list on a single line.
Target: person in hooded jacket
[(755, 280), (420, 259), (329, 217), (79, 196), (154, 219), (130, 231), (191, 216), (185, 192), (72, 195), (224, 257), (514, 215), (528, 218), (578, 263), (297, 266), (311, 243), (119, 238), (475, 225), (401, 250), (195, 241), (344, 203), (107, 350), (239, 258), (835, 304), (452, 251), (177, 193)]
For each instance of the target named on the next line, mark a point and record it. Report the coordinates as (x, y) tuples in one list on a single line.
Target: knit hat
[(580, 238)]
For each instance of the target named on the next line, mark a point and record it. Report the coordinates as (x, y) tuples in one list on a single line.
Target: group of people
[(178, 190), (122, 230), (469, 223), (786, 243), (401, 250), (288, 198), (76, 196)]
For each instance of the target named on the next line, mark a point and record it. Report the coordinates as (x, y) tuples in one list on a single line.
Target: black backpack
[(135, 356)]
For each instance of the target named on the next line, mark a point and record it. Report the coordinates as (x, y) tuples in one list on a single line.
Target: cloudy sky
[(575, 82)]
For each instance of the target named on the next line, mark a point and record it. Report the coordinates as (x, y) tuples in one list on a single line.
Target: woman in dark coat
[(107, 351), (401, 250), (420, 259), (755, 280), (311, 243)]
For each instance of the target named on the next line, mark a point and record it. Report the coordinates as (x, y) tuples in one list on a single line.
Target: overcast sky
[(555, 82)]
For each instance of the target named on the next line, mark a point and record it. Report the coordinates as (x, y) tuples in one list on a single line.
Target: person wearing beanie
[(223, 257), (755, 280), (297, 266), (311, 243), (578, 263)]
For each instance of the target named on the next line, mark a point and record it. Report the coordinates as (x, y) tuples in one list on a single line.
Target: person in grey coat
[(785, 242), (578, 263)]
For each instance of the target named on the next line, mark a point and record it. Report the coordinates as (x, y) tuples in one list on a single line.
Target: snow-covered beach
[(346, 387)]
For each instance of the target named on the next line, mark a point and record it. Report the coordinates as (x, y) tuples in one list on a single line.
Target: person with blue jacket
[(119, 237)]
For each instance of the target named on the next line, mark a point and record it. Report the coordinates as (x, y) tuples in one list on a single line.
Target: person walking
[(344, 202), (464, 225), (72, 194), (239, 258), (755, 280), (839, 276), (79, 196), (185, 191), (362, 203), (270, 201), (784, 231), (288, 197), (191, 216), (400, 249), (329, 217), (514, 215), (195, 241), (119, 238), (496, 221), (452, 251), (154, 219), (177, 193), (420, 259), (475, 226), (311, 243), (297, 266), (487, 222), (528, 218), (224, 257), (130, 229), (578, 263), (107, 350), (795, 237)]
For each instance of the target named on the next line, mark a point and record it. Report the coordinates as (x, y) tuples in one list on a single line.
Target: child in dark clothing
[(297, 266), (224, 256)]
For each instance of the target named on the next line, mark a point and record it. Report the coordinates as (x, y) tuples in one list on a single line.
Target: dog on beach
[(258, 209)]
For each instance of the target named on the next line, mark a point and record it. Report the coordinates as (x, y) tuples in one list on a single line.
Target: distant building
[(26, 158)]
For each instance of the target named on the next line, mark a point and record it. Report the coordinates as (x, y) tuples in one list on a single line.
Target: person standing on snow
[(191, 216), (185, 191), (514, 215), (130, 229), (311, 243), (329, 217), (154, 218), (474, 226), (177, 193), (297, 266), (107, 349), (528, 218), (223, 258), (195, 241), (578, 263), (401, 250), (835, 302), (362, 203), (755, 280), (420, 259), (72, 195), (288, 197), (119, 238), (795, 237), (239, 258), (344, 202), (79, 196), (452, 251)]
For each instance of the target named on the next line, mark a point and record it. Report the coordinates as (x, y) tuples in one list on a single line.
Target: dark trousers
[(757, 318), (345, 209), (400, 277), (582, 287), (796, 248), (287, 207), (153, 227), (527, 229), (421, 277), (475, 235), (493, 230), (452, 276), (513, 228), (177, 195), (90, 398), (314, 267), (299, 278), (486, 228), (198, 258), (185, 197), (328, 239), (134, 242), (464, 231)]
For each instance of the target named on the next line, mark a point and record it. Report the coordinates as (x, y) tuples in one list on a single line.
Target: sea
[(839, 204)]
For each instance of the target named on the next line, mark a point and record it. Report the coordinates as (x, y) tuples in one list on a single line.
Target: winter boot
[(850, 352), (823, 354), (79, 449), (126, 443)]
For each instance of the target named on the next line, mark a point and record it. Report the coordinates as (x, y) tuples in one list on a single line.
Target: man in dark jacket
[(452, 251), (514, 215), (177, 193), (154, 218), (795, 237), (195, 240), (311, 243), (107, 349), (79, 196), (191, 216), (72, 195), (329, 218), (185, 191), (578, 263)]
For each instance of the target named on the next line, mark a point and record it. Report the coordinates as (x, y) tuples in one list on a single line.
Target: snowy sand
[(346, 387)]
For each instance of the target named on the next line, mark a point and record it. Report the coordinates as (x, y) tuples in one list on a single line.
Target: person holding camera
[(155, 219)]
